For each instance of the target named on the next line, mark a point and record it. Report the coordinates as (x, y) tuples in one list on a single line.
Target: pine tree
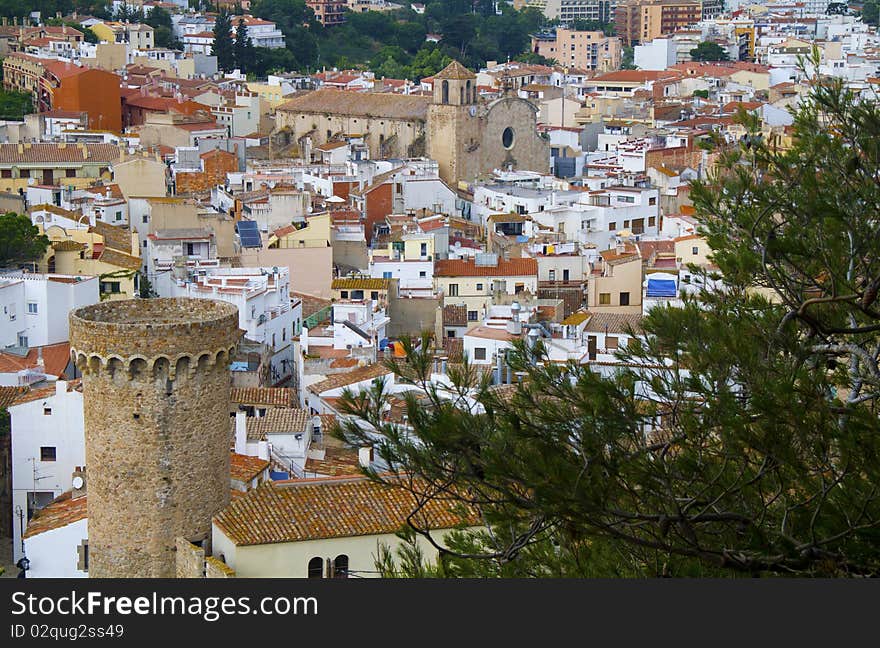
[(245, 53), (223, 46), (738, 435)]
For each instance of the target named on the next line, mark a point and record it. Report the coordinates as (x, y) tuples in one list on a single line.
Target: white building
[(48, 445), (659, 54), (265, 309), (35, 306)]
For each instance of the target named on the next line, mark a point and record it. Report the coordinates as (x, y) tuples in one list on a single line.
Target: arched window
[(445, 92), (340, 566), (470, 99), (461, 96), (316, 567)]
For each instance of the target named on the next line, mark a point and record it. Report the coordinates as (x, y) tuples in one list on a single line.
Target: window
[(32, 308), (652, 220), (473, 315), (610, 342), (518, 288), (6, 173), (119, 216), (604, 299), (112, 287), (453, 290), (386, 275), (652, 200), (552, 274), (24, 173), (445, 87), (344, 294), (47, 411), (479, 287), (316, 567), (624, 299), (374, 295), (507, 138), (450, 333), (612, 226), (480, 353), (357, 294), (145, 218), (695, 250), (47, 453), (70, 173), (422, 274), (22, 340), (340, 566)]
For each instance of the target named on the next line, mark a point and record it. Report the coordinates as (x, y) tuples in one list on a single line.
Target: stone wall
[(156, 399), (216, 568), (190, 559)]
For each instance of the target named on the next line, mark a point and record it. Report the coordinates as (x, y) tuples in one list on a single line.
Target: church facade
[(469, 140)]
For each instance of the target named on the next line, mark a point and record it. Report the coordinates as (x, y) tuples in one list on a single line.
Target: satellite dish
[(78, 482)]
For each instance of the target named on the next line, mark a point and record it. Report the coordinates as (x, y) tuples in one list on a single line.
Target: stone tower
[(156, 396), (454, 124)]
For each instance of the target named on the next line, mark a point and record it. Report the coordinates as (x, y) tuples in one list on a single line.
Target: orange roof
[(244, 468), (634, 76), (336, 462), (313, 509), (8, 395), (43, 393), (468, 268), (489, 333), (277, 396), (55, 359), (63, 510), (370, 372)]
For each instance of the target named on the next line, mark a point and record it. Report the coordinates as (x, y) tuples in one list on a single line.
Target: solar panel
[(249, 234)]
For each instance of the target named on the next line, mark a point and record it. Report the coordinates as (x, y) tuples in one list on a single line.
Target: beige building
[(641, 21), (615, 284), (693, 249), (140, 176), (464, 282), (585, 50), (343, 543)]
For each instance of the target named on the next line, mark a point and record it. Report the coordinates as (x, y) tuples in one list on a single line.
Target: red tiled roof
[(468, 268), (55, 359), (244, 468), (63, 510)]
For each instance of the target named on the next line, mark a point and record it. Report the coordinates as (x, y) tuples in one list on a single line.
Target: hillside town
[(229, 256)]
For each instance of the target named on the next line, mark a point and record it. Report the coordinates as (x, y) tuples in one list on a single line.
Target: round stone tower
[(156, 387)]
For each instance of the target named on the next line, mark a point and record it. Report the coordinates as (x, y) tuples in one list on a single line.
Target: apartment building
[(585, 50), (641, 21)]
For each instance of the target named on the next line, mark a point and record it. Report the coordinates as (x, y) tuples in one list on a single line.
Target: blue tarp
[(239, 365), (275, 475), (662, 288)]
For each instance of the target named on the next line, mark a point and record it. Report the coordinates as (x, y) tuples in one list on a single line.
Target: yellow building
[(615, 285), (411, 247), (315, 233), (104, 251), (693, 249), (271, 94)]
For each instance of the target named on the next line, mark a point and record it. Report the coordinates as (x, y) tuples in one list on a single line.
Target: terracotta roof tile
[(455, 315), (456, 71), (8, 395), (63, 510), (45, 152), (468, 268), (278, 420), (614, 322), (244, 468), (370, 372), (55, 359), (329, 508), (336, 463), (361, 283), (277, 396)]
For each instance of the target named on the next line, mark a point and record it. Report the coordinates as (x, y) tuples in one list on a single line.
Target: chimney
[(40, 362), (365, 456), (240, 433), (60, 387), (498, 368), (78, 481)]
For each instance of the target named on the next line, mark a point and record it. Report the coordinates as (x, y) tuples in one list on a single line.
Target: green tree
[(738, 434), (707, 51), (245, 56), (15, 105), (870, 12), (20, 240), (627, 59), (223, 46)]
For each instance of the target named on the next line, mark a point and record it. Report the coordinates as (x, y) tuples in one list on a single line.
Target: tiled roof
[(244, 468), (360, 104), (467, 268), (455, 70), (489, 333), (614, 322), (455, 315), (68, 246), (63, 510), (632, 76), (336, 463), (120, 259), (118, 238), (278, 420), (370, 372), (55, 359), (42, 393), (8, 395), (327, 508), (364, 283), (44, 152), (576, 318), (277, 396)]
